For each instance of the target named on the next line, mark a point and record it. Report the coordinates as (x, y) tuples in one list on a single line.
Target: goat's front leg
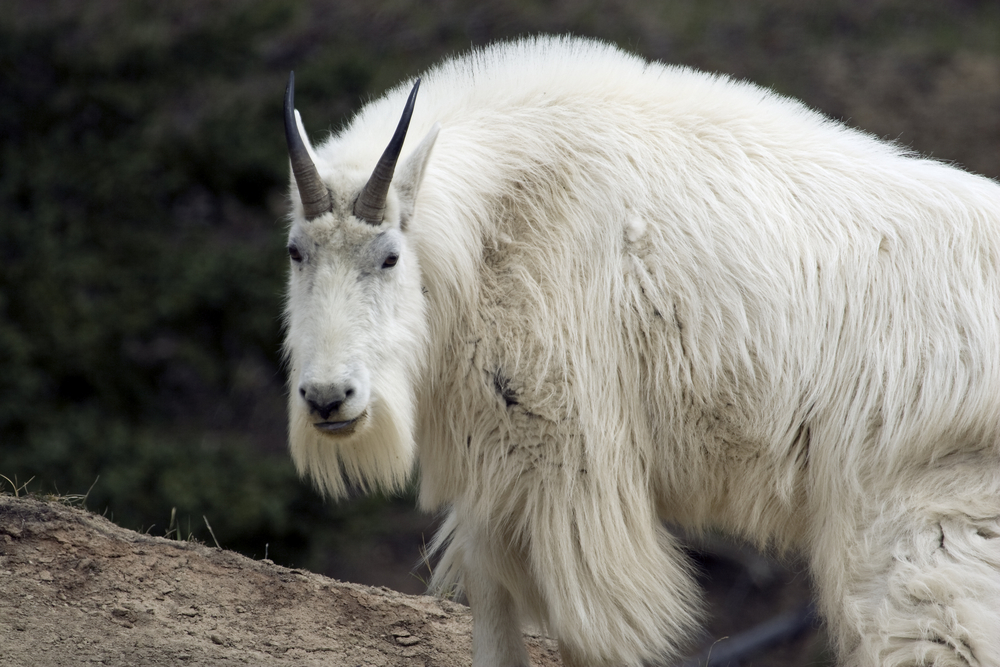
[(496, 628)]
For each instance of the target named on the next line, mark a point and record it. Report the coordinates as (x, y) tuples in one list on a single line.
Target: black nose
[(325, 400)]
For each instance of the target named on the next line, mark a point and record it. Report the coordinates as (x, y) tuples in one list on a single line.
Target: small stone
[(45, 575), (407, 641), (125, 614)]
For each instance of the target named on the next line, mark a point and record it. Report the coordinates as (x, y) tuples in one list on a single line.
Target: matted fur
[(630, 293)]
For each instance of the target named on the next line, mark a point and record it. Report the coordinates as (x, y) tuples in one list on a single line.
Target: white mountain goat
[(609, 293)]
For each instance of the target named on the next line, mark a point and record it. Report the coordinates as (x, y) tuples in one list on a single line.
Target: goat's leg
[(915, 579), (496, 629)]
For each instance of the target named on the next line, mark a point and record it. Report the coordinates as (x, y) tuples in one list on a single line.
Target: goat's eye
[(294, 253), (390, 261)]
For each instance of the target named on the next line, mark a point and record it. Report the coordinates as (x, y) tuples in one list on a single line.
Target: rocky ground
[(77, 589)]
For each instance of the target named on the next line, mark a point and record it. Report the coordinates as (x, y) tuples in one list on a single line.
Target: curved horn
[(312, 190), (370, 205)]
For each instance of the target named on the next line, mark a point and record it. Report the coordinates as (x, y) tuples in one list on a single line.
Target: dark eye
[(294, 253), (390, 261)]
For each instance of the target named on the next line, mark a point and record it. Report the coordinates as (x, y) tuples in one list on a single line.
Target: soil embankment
[(77, 589)]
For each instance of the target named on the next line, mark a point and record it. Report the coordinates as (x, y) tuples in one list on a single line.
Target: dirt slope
[(77, 589)]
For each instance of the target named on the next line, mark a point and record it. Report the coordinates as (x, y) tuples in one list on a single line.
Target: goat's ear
[(408, 178)]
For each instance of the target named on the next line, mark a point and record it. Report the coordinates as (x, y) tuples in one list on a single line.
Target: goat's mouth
[(340, 429)]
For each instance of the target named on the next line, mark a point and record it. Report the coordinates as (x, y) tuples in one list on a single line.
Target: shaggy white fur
[(628, 293)]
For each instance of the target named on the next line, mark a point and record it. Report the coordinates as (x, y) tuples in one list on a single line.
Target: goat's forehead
[(335, 232)]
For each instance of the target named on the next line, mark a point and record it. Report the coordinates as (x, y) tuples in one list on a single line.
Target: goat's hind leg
[(919, 585), (943, 601)]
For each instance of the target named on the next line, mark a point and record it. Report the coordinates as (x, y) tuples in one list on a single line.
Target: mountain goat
[(600, 293)]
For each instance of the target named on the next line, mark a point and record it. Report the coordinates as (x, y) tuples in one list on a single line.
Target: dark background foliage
[(142, 199)]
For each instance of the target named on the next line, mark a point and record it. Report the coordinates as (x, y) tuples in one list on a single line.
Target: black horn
[(370, 205), (312, 190)]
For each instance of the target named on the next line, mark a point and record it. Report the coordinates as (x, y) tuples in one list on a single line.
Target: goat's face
[(354, 313), (355, 322)]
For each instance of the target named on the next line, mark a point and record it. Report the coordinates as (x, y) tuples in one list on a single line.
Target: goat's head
[(355, 317)]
